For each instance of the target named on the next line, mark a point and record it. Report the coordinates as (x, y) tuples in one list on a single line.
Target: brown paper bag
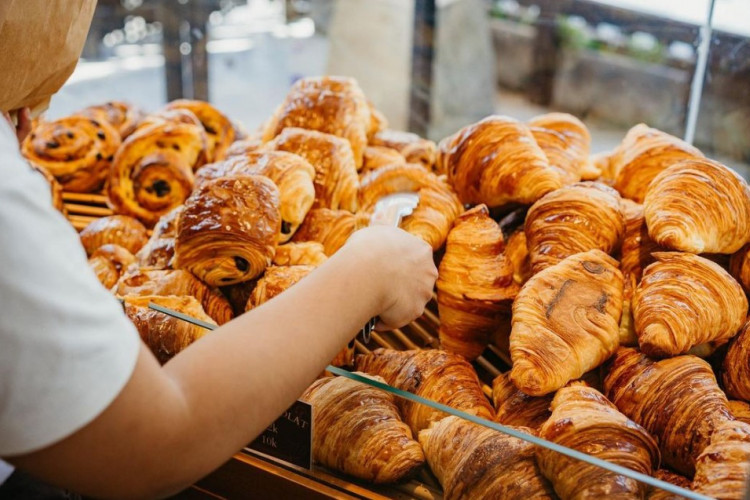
[(40, 43)]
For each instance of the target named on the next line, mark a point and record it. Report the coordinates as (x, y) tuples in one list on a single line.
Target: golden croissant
[(565, 322), (159, 251), (306, 253), (735, 369), (122, 116), (275, 281), (109, 262), (393, 179), (517, 253), (219, 128), (698, 206), (669, 477), (413, 148), (376, 157), (723, 469), (583, 419), (475, 286), (120, 230), (677, 400), (514, 407), (684, 300), (473, 461), (435, 375), (740, 410), (565, 141), (739, 267), (331, 228)]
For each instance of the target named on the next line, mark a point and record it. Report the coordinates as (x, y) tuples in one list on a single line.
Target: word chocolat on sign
[(289, 438)]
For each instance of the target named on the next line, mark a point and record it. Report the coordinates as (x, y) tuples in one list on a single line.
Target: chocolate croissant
[(565, 141), (159, 251), (472, 461), (122, 116), (475, 286), (577, 218), (698, 206), (736, 369), (376, 157), (583, 419), (413, 148), (275, 281), (109, 262), (77, 150), (739, 267), (669, 477), (565, 322), (219, 128), (497, 162), (723, 469), (740, 410), (435, 375), (358, 431), (229, 230), (331, 228), (684, 300), (306, 253), (117, 229), (677, 400), (514, 407)]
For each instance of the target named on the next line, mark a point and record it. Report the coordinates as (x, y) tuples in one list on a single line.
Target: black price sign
[(289, 438)]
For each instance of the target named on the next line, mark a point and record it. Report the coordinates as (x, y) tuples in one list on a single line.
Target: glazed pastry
[(219, 128), (77, 150), (577, 218), (669, 477), (274, 282), (336, 180), (118, 229), (245, 146), (435, 375), (412, 147), (677, 400), (517, 254), (164, 335), (736, 369), (331, 228), (565, 322), (179, 283), (497, 162), (306, 253), (110, 262), (475, 285), (56, 190), (684, 300), (740, 410), (723, 469), (698, 206), (153, 170), (358, 431), (739, 267), (434, 216), (159, 251), (472, 461), (514, 407), (121, 115), (565, 141), (229, 230), (583, 419), (643, 154), (376, 157)]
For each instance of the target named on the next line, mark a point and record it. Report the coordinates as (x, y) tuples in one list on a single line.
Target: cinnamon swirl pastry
[(118, 229), (219, 128), (121, 115), (412, 147), (331, 228)]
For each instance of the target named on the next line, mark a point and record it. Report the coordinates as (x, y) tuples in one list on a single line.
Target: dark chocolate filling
[(242, 264)]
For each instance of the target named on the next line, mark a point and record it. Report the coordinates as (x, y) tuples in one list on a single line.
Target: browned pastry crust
[(723, 469), (336, 180), (677, 400), (179, 283), (739, 267), (331, 228), (514, 407), (393, 179), (358, 431), (698, 206), (475, 286), (583, 419), (472, 461), (517, 253), (497, 162), (56, 190), (77, 150), (105, 271), (740, 410), (158, 252), (435, 375), (600, 168), (275, 281), (120, 258), (229, 230), (118, 229), (244, 146), (219, 128), (305, 253), (565, 141), (165, 335), (736, 366), (565, 322), (121, 115), (413, 148), (684, 300), (376, 157), (577, 218), (378, 121), (672, 478)]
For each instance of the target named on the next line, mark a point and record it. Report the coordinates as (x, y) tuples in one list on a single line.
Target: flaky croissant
[(517, 253), (393, 179), (583, 419), (669, 477), (576, 218), (331, 228), (219, 128), (497, 162), (698, 206), (305, 253), (475, 286), (109, 262), (120, 230), (435, 375), (684, 300), (514, 407), (739, 267), (740, 410), (276, 280), (565, 322), (736, 368), (122, 116), (158, 252), (229, 230), (376, 157), (565, 141), (472, 461), (677, 400), (413, 148), (358, 431), (723, 469)]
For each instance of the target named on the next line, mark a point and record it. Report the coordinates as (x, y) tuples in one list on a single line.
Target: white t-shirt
[(66, 348)]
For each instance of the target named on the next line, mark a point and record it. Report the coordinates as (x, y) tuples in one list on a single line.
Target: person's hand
[(403, 271), (23, 127)]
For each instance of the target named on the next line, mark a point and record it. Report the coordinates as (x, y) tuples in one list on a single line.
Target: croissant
[(219, 128), (105, 271), (576, 218), (159, 251), (600, 168), (109, 262), (77, 150), (336, 180), (435, 375), (118, 229), (413, 148), (722, 470), (378, 121), (393, 179), (683, 301), (244, 146), (145, 282), (56, 190), (497, 162), (565, 322), (736, 369), (238, 295), (306, 253), (677, 400), (739, 267), (432, 219), (376, 157), (740, 410), (514, 407), (643, 154), (672, 478), (229, 230), (583, 419), (359, 432), (698, 206), (565, 141), (292, 174), (331, 228), (275, 281), (475, 286), (472, 461), (164, 335), (121, 115)]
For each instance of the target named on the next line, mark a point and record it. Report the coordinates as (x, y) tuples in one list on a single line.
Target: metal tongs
[(390, 211)]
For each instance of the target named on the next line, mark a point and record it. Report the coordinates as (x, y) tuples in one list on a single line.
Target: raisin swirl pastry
[(159, 251), (413, 148), (565, 141), (109, 262), (723, 470), (121, 115), (229, 230), (331, 228), (77, 150), (219, 128), (121, 230)]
